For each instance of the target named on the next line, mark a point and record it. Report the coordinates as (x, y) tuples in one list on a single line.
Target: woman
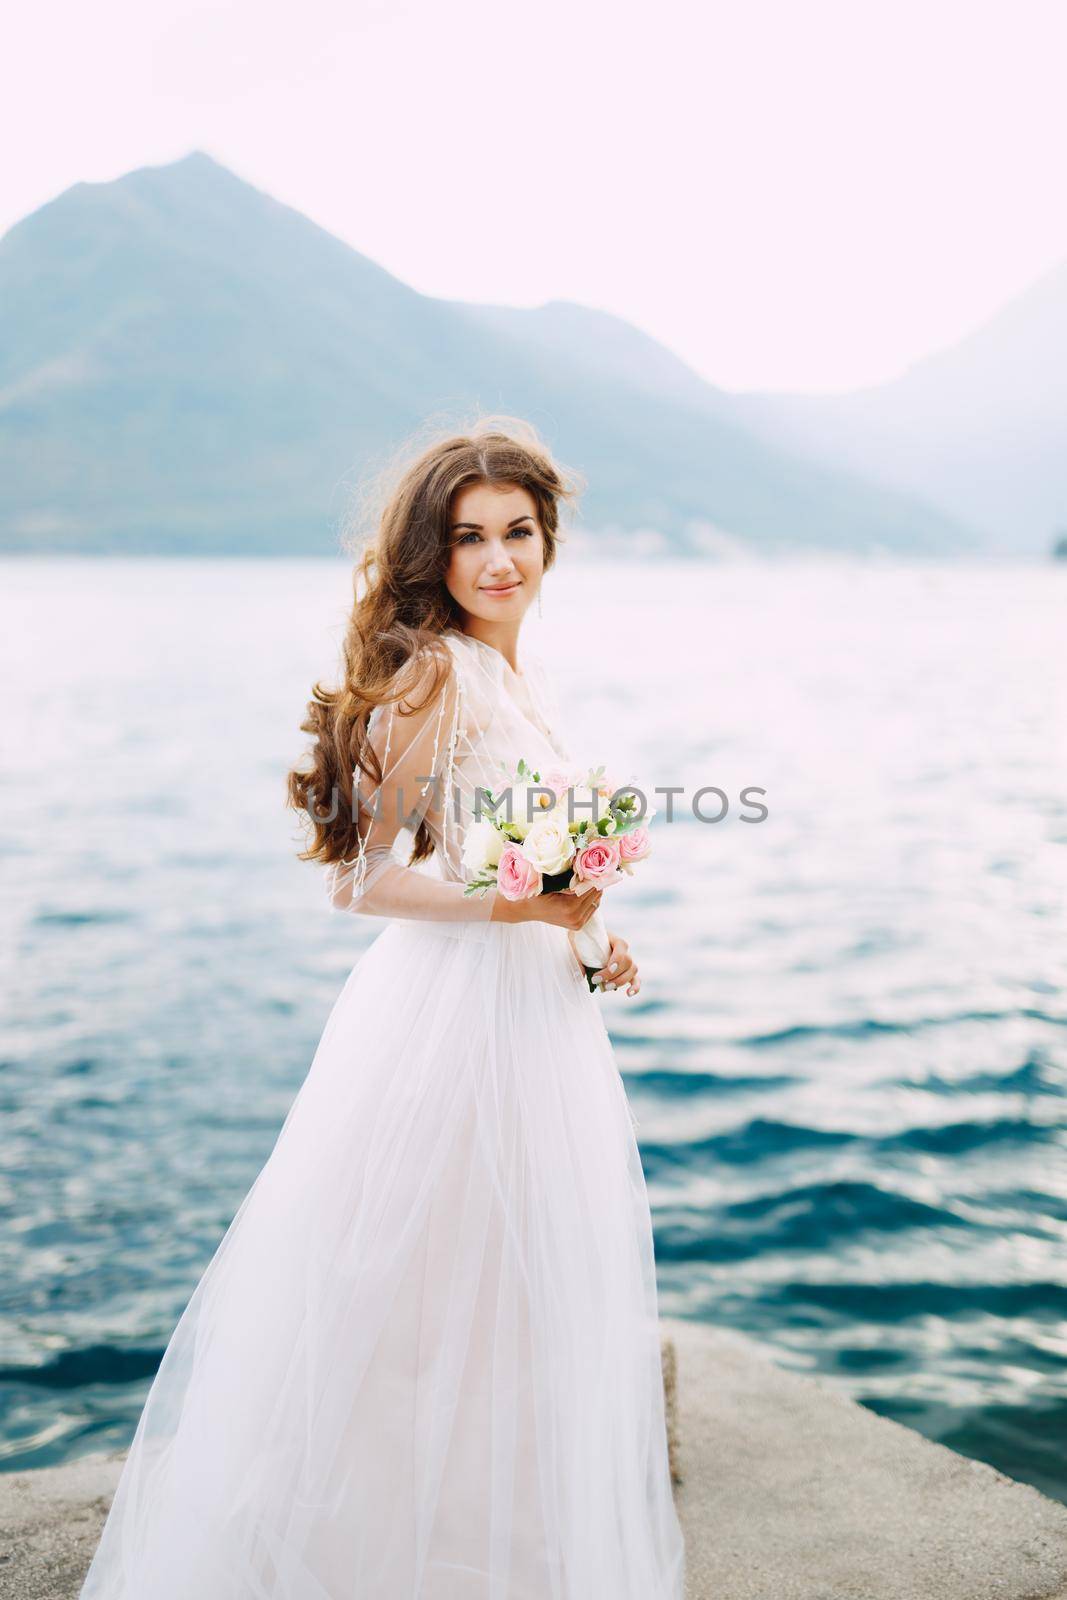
[(424, 1361)]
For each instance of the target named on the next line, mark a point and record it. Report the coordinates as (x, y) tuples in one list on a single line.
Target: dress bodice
[(439, 744), (500, 718)]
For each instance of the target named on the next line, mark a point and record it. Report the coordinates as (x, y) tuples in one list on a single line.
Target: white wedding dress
[(424, 1361)]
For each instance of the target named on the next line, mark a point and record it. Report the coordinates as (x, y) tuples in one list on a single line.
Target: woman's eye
[(523, 533)]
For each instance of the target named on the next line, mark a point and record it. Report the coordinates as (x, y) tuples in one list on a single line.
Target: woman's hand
[(619, 968), (562, 907)]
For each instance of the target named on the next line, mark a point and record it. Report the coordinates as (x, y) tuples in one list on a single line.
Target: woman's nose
[(499, 559)]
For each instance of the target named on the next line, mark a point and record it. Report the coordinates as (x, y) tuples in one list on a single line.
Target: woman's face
[(497, 551)]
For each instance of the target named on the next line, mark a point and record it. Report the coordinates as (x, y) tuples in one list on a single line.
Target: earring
[(540, 613)]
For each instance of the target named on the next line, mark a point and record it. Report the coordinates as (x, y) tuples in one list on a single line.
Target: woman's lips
[(504, 589)]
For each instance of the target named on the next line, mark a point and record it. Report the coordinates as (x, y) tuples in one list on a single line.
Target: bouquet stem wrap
[(592, 945)]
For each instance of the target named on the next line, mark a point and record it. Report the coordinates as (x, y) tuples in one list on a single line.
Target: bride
[(424, 1362)]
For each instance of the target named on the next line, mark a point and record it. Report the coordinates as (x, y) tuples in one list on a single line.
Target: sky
[(790, 194)]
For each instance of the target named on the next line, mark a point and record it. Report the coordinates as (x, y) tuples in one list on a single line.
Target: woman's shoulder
[(466, 667), (423, 677), (477, 666), (466, 647)]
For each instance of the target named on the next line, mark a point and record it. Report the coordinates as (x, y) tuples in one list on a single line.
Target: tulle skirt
[(424, 1362)]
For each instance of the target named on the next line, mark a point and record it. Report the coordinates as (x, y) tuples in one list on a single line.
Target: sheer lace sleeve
[(415, 738)]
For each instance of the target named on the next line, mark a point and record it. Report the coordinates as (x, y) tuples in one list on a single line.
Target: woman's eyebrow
[(478, 527)]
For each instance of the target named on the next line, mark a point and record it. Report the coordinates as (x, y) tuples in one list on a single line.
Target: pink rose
[(516, 877), (558, 780), (635, 845), (597, 862)]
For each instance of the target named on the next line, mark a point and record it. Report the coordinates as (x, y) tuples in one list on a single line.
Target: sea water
[(848, 1057)]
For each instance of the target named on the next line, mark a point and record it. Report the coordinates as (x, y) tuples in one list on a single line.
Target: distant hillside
[(188, 365), (980, 428)]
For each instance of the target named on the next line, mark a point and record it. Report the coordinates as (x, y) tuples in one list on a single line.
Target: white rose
[(582, 807), (536, 808), (482, 846), (548, 845)]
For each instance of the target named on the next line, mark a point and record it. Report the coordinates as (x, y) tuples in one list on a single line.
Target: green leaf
[(479, 885)]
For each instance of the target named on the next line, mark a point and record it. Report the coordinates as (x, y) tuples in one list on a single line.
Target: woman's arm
[(414, 738)]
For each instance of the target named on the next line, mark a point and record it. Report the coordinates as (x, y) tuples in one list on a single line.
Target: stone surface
[(791, 1491)]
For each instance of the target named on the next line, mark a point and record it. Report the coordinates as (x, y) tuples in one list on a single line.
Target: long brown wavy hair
[(402, 605)]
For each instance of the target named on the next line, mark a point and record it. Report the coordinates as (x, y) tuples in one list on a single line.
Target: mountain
[(979, 429), (187, 365)]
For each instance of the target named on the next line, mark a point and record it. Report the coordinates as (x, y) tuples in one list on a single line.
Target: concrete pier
[(791, 1491), (786, 1489)]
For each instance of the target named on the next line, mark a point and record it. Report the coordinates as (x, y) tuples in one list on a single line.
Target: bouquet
[(561, 829)]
